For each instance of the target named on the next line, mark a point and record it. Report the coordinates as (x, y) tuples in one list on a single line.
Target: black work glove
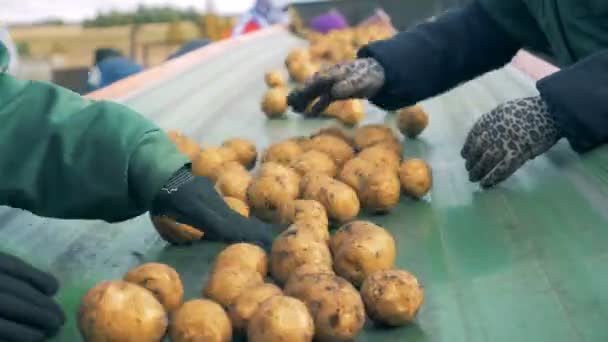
[(502, 140), (362, 78), (194, 201), (27, 310)]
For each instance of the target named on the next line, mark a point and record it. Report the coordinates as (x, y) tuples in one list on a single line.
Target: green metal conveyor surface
[(527, 261)]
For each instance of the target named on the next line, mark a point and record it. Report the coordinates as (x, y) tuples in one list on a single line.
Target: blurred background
[(85, 45)]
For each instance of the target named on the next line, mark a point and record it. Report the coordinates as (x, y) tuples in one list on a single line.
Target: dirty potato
[(281, 318), (175, 233), (245, 150), (285, 152), (314, 161), (335, 147), (274, 103), (340, 200), (248, 302), (200, 320), (225, 284), (412, 120), (416, 177), (245, 256), (160, 279), (380, 191)]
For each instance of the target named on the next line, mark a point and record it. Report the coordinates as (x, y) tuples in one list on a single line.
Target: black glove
[(27, 310), (362, 78), (194, 201), (502, 140)]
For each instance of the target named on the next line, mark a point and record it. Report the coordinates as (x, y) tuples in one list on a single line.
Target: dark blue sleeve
[(434, 57), (578, 99)]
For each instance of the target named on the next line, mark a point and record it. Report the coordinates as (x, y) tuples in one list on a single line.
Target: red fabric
[(251, 26)]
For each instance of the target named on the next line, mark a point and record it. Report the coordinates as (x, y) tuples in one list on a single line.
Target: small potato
[(392, 297), (340, 200), (382, 157), (371, 134), (355, 171), (160, 279), (314, 161), (380, 191), (302, 71), (281, 318), (274, 103), (392, 144), (416, 177), (297, 55), (200, 320), (349, 112), (353, 228), (274, 185), (335, 147), (365, 253), (336, 132), (285, 152), (210, 161), (175, 233), (412, 120), (274, 79), (245, 151), (248, 302), (306, 269), (293, 248), (237, 205), (227, 283), (233, 183), (243, 255), (303, 211)]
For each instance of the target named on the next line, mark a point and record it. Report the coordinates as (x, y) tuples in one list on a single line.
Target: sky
[(12, 11)]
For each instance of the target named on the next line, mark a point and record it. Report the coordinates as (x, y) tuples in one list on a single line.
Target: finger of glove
[(13, 332), (26, 292), (488, 161), (320, 84), (470, 141), (19, 311), (321, 105), (502, 171), (478, 147), (17, 268)]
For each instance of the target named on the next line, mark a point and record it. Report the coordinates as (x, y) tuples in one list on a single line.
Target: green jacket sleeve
[(67, 157)]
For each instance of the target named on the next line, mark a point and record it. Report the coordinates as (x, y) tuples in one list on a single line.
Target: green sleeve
[(67, 157)]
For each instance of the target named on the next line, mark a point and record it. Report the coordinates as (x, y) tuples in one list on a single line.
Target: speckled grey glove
[(362, 78), (502, 140)]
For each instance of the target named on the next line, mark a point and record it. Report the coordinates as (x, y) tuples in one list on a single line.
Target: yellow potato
[(314, 161), (416, 177), (225, 284), (281, 318), (355, 171), (244, 256), (233, 183), (371, 134), (248, 302), (412, 120), (308, 211), (335, 147), (210, 161), (274, 79), (284, 153), (160, 279), (380, 191), (274, 185), (245, 150), (340, 200), (175, 233), (382, 157), (200, 320), (336, 132), (274, 103)]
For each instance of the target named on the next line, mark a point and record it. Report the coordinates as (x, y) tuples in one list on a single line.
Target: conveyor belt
[(527, 261)]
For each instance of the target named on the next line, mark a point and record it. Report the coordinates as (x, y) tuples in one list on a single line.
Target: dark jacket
[(483, 36)]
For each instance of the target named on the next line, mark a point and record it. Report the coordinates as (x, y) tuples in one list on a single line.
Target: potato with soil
[(392, 297), (281, 318), (353, 228), (297, 55), (355, 171), (244, 256), (302, 71), (225, 284), (416, 177), (245, 150), (306, 269), (381, 156), (372, 134), (314, 161), (175, 233), (248, 302), (303, 211), (335, 305), (339, 199), (349, 112), (121, 311), (412, 121), (336, 132), (293, 248), (233, 182), (274, 103), (200, 320), (237, 205), (363, 252), (274, 185), (211, 160), (285, 152), (380, 191), (274, 79), (335, 147), (160, 279)]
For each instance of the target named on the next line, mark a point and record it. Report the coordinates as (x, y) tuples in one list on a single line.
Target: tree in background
[(143, 15)]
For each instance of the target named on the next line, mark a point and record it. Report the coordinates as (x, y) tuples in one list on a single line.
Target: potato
[(306, 269), (160, 279), (371, 134), (274, 103), (274, 79), (392, 297), (284, 152), (297, 55), (308, 211), (380, 191), (237, 205), (120, 311), (225, 284), (412, 120), (245, 151), (274, 185), (293, 248), (335, 147), (248, 302), (416, 177), (233, 182), (281, 318), (392, 144), (200, 320), (175, 233), (312, 183), (302, 71), (353, 228), (340, 200), (314, 161), (349, 112), (185, 145), (364, 253), (336, 132), (335, 305), (210, 161), (382, 157), (355, 171), (245, 256)]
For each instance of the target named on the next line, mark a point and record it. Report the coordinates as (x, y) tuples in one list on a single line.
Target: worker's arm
[(416, 64)]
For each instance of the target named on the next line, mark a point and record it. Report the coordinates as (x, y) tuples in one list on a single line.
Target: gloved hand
[(27, 310), (362, 78), (193, 201), (502, 140)]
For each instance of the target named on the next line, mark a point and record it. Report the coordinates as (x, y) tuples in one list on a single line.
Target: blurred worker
[(264, 13), (189, 47), (71, 158), (484, 35), (110, 66), (6, 39), (329, 21)]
